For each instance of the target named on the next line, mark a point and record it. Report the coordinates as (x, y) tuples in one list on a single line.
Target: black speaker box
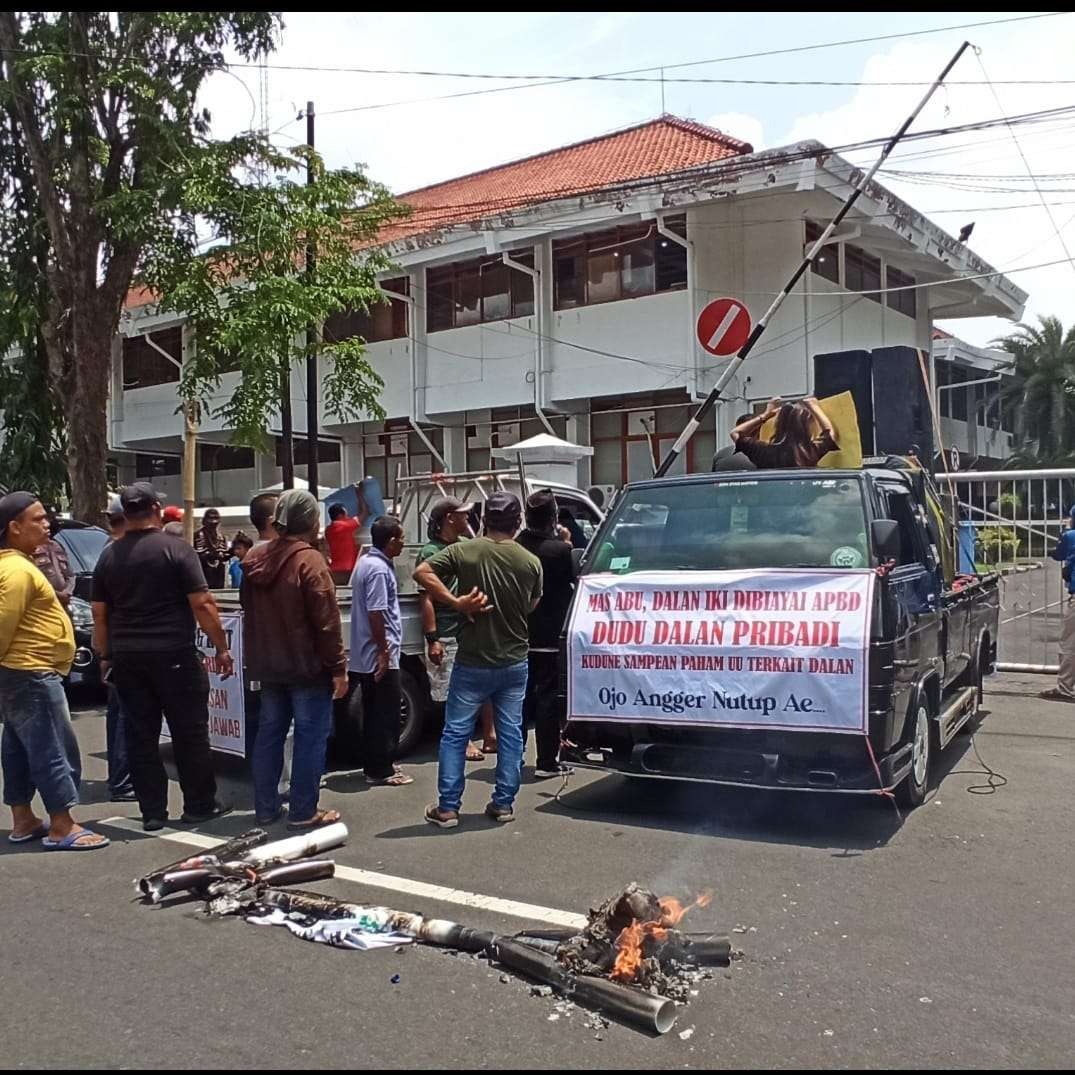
[(848, 371)]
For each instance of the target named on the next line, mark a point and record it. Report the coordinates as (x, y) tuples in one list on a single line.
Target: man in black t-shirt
[(149, 591), (543, 708)]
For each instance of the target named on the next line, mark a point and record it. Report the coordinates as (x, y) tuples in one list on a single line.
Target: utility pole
[(313, 333), (287, 439)]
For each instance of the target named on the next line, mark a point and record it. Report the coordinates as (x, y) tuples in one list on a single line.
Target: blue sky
[(413, 145)]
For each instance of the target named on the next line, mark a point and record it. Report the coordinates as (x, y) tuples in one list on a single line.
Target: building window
[(621, 263), (902, 301), (473, 292), (941, 370), (862, 272), (827, 262), (385, 321), (328, 451), (399, 450), (224, 457), (144, 365), (156, 466)]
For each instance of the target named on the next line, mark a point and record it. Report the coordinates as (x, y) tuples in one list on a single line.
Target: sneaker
[(557, 770), (500, 813), (124, 795), (153, 824), (219, 810), (443, 819)]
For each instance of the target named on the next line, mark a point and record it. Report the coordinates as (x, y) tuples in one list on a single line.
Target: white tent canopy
[(544, 448)]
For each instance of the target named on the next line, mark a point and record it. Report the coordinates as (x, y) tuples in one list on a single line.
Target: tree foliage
[(102, 117), (1044, 389), (248, 299)]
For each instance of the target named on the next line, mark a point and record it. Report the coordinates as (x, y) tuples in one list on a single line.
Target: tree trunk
[(84, 393)]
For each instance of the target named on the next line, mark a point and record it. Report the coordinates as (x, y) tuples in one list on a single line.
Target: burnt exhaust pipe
[(296, 847), (293, 873), (643, 1010), (701, 949), (233, 849), (236, 876)]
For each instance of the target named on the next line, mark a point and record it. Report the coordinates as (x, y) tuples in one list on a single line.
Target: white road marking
[(387, 881)]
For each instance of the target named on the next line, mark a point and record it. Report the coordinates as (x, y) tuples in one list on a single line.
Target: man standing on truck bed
[(500, 584), (148, 591), (341, 536), (544, 700)]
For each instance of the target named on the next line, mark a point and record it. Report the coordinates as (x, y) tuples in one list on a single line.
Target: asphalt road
[(943, 939)]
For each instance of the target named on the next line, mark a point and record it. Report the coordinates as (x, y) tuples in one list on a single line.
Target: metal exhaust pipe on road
[(233, 849)]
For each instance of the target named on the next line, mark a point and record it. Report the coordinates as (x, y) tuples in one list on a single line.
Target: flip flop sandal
[(396, 780), (41, 831), (474, 754), (70, 842), (320, 819), (489, 747)]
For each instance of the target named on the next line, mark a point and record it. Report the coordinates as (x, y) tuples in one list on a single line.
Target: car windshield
[(83, 546), (775, 522)]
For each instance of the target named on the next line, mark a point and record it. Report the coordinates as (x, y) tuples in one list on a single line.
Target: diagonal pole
[(733, 366)]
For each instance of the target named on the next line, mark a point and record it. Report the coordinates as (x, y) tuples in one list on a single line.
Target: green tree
[(247, 301), (102, 110), (1044, 392)]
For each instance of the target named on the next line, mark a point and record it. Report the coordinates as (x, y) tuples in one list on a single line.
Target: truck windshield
[(794, 522)]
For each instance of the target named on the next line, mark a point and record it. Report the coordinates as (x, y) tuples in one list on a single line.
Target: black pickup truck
[(928, 636)]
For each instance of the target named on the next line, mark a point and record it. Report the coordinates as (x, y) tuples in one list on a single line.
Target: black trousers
[(543, 706), (172, 685), (381, 704)]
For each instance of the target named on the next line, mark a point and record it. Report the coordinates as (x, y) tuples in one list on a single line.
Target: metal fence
[(1010, 522)]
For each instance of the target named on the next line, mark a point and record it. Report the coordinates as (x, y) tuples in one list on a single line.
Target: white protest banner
[(777, 649), (227, 714)]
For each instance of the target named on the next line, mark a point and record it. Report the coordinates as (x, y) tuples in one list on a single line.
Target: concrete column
[(578, 431), (455, 443)]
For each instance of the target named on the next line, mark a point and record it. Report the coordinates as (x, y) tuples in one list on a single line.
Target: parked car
[(83, 545)]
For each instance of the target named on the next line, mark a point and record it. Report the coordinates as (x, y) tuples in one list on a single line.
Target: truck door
[(915, 591)]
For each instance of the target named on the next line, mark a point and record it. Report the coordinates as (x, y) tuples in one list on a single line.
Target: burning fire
[(631, 939)]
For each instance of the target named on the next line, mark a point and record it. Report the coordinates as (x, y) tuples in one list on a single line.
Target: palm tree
[(1044, 388)]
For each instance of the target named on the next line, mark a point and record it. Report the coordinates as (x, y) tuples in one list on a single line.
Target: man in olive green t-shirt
[(498, 584)]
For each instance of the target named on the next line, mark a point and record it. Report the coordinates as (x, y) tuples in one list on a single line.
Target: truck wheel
[(911, 791), (412, 714)]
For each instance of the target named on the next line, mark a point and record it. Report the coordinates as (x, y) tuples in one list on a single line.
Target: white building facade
[(561, 294)]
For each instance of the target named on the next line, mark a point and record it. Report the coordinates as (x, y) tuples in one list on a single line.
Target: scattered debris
[(686, 1035), (925, 1000), (395, 979), (541, 990)]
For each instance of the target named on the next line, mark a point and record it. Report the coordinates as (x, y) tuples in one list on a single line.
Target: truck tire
[(349, 720), (911, 791), (412, 714)]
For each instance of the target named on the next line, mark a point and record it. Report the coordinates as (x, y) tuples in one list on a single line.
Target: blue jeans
[(468, 688), (38, 751), (119, 770), (311, 710)]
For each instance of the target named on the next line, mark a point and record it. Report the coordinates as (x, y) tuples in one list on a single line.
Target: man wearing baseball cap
[(39, 752), (498, 584), (448, 523), (148, 592)]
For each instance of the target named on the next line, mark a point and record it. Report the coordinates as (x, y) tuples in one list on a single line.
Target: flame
[(629, 942)]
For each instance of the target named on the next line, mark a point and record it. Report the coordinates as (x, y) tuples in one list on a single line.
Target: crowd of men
[(492, 608)]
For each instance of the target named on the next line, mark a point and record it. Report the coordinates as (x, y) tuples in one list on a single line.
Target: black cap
[(503, 512), (12, 506), (138, 497), (442, 509)]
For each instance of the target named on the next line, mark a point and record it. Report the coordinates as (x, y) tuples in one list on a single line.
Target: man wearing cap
[(1064, 691), (294, 647), (448, 523), (148, 593), (38, 751), (498, 584), (212, 549)]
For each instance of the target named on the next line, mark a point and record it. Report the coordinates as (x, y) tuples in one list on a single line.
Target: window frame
[(449, 279)]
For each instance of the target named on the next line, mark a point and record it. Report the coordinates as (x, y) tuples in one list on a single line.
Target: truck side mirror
[(885, 536)]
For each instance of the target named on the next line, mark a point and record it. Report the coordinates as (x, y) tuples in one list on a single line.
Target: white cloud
[(739, 125)]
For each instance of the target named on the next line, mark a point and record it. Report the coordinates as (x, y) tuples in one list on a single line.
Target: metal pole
[(312, 333), (759, 328), (287, 438)]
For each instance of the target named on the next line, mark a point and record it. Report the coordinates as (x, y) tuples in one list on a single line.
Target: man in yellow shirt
[(38, 750)]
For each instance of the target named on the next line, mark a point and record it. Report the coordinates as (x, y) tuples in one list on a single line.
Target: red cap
[(172, 514)]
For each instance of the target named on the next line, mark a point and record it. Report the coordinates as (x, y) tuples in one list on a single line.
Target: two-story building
[(561, 293)]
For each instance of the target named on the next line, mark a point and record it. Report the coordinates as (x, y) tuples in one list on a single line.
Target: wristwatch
[(431, 637)]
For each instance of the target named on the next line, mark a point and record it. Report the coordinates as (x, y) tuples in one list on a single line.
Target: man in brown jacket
[(294, 647)]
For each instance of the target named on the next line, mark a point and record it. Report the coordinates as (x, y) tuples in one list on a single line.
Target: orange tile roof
[(658, 147)]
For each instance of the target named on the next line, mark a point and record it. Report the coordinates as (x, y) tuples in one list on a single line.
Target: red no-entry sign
[(723, 326)]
